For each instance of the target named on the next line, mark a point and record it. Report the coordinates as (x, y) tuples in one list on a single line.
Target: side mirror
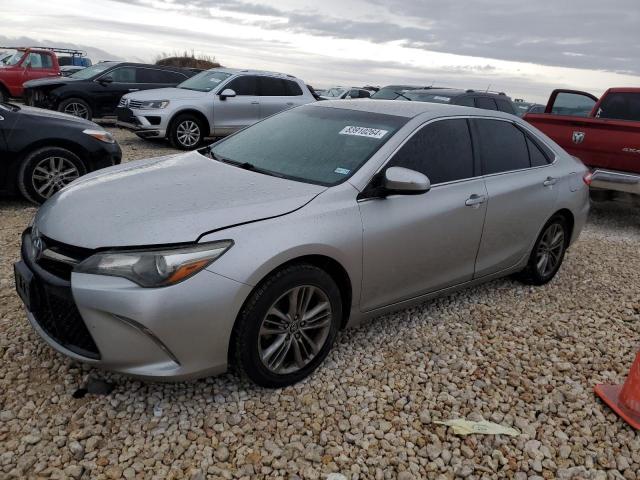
[(106, 80), (227, 93), (403, 181)]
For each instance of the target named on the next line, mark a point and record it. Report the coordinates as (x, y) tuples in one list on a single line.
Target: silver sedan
[(256, 251)]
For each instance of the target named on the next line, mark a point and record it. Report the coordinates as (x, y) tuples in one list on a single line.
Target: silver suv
[(214, 103)]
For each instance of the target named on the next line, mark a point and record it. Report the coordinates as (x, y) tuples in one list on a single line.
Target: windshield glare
[(92, 71), (317, 145), (204, 81), (14, 59), (391, 93), (428, 97)]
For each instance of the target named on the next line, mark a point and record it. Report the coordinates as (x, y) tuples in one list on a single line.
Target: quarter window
[(245, 85), (486, 103), (271, 87), (441, 150), (502, 146), (292, 88), (537, 157)]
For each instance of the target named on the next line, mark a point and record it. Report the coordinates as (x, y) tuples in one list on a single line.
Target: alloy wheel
[(550, 248), (295, 329), (53, 173), (77, 109), (188, 133)]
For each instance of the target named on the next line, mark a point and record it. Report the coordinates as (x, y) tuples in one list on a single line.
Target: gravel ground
[(519, 356)]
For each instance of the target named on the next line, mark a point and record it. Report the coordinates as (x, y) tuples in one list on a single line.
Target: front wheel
[(548, 252), (76, 107), (186, 132), (287, 326), (47, 170)]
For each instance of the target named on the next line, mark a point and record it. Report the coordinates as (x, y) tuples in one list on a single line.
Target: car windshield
[(204, 81), (334, 92), (391, 92), (92, 71), (14, 59), (427, 97), (312, 144)]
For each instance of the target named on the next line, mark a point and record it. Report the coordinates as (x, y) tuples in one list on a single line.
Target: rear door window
[(292, 88), (620, 106), (465, 101), (441, 150), (502, 146), (486, 103), (245, 85), (505, 105), (123, 75), (271, 87), (151, 75)]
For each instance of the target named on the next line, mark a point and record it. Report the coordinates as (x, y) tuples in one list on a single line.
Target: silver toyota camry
[(256, 251)]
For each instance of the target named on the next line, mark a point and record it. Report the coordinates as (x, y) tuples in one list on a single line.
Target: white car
[(214, 103), (345, 93)]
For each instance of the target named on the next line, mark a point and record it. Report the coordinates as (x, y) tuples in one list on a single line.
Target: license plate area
[(25, 285)]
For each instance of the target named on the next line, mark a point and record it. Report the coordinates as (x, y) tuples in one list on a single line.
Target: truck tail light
[(587, 178)]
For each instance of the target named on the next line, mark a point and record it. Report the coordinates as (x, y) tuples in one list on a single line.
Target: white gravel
[(519, 356)]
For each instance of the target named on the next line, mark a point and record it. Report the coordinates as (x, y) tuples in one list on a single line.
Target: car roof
[(456, 92), (247, 71), (408, 109)]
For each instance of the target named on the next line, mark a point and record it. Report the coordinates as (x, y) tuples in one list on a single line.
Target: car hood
[(165, 200), (49, 82), (41, 112)]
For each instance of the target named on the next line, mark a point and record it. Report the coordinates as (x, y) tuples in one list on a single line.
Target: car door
[(276, 94), (233, 113), (522, 192), (111, 86), (416, 244)]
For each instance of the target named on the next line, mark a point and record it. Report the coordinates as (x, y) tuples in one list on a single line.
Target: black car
[(42, 151), (468, 98), (95, 91), (392, 92)]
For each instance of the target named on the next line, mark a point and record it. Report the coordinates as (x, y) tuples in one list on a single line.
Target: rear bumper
[(617, 181)]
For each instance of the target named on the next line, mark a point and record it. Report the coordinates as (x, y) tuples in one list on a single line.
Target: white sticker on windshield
[(342, 171), (442, 99), (363, 132)]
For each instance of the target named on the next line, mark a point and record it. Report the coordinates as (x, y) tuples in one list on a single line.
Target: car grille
[(129, 102), (59, 317), (56, 311)]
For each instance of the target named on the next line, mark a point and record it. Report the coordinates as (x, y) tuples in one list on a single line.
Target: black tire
[(533, 274), (32, 171), (186, 123), (4, 96), (76, 107), (246, 338)]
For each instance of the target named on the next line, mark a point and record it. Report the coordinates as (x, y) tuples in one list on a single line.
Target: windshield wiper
[(402, 95), (244, 165)]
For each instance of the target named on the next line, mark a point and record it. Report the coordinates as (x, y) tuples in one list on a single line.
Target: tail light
[(587, 178)]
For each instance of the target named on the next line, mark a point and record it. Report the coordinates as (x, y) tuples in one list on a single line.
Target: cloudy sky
[(523, 47)]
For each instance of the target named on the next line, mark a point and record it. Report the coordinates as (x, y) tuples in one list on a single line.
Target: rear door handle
[(475, 200), (255, 103), (549, 181)]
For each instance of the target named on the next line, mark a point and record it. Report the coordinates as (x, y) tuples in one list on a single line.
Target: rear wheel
[(76, 107), (186, 132), (47, 170), (287, 326), (548, 252)]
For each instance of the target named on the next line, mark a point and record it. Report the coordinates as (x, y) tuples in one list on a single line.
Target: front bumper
[(151, 123), (171, 333), (616, 181)]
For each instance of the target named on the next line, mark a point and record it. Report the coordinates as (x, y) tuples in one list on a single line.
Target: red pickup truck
[(26, 64), (604, 133)]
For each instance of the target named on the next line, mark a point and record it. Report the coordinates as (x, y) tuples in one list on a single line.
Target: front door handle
[(549, 181), (475, 200), (255, 103)]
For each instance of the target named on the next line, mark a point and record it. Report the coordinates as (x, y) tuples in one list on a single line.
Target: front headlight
[(155, 268), (101, 135), (153, 104)]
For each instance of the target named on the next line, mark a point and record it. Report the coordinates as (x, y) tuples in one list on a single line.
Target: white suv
[(214, 103)]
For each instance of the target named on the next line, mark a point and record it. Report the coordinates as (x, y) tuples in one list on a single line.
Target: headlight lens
[(155, 268), (153, 104), (101, 135)]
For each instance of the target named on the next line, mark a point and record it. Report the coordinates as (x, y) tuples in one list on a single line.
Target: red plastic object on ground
[(625, 399)]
